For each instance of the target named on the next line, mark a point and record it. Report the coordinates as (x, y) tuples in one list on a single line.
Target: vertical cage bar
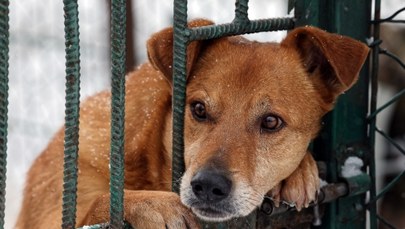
[(241, 11), (118, 59), (372, 206), (179, 90), (4, 50), (72, 105)]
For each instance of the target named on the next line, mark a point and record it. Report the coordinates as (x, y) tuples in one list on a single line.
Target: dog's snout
[(211, 186)]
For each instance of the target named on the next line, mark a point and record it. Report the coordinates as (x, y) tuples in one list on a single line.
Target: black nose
[(211, 186)]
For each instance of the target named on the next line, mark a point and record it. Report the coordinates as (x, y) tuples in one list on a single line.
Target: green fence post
[(4, 41), (118, 52), (346, 128), (72, 105)]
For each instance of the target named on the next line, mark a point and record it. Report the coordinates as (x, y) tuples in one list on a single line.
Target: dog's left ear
[(333, 61), (160, 49)]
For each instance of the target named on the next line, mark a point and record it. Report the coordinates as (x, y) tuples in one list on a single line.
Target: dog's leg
[(301, 187), (145, 209)]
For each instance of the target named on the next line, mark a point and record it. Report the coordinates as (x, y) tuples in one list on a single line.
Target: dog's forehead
[(237, 65)]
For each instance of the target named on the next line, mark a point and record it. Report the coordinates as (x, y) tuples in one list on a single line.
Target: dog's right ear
[(160, 49)]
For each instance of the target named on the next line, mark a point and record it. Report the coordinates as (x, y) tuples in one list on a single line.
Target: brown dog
[(252, 109)]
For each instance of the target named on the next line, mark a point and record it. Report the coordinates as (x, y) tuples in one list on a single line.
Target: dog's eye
[(198, 111), (271, 123)]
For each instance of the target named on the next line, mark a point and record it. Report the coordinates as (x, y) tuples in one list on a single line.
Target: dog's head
[(252, 110)]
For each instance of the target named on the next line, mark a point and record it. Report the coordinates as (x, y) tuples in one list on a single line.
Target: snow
[(322, 183), (352, 167)]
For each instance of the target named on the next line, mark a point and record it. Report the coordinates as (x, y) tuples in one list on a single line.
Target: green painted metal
[(72, 107), (346, 129), (118, 51), (179, 89), (4, 56), (372, 206)]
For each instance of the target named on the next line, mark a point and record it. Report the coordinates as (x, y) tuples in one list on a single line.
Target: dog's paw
[(301, 187), (147, 209)]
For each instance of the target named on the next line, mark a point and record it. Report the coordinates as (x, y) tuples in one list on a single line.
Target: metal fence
[(349, 130), (375, 216)]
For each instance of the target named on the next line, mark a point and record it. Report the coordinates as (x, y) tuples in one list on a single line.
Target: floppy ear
[(332, 61), (160, 49)]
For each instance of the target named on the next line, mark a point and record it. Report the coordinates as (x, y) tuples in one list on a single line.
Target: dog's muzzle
[(215, 196)]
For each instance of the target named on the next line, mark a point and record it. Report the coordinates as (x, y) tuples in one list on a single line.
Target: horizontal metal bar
[(235, 28)]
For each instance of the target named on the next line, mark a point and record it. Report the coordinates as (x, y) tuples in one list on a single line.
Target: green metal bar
[(236, 28), (4, 56), (241, 11), (345, 127), (71, 113), (118, 46), (372, 206), (179, 90), (350, 126)]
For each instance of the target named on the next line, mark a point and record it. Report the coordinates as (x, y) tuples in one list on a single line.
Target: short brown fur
[(239, 82)]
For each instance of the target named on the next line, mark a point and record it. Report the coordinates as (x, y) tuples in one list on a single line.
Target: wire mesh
[(375, 215)]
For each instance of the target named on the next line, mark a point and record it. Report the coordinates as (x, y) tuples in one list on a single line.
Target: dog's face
[(252, 109)]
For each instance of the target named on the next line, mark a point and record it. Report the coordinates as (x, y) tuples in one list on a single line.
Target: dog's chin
[(212, 215)]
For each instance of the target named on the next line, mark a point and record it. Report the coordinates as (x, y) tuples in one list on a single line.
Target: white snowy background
[(36, 102)]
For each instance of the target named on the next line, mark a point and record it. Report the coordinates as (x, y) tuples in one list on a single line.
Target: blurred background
[(37, 77)]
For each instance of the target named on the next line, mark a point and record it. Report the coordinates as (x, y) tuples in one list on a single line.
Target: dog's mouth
[(212, 213), (215, 207)]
